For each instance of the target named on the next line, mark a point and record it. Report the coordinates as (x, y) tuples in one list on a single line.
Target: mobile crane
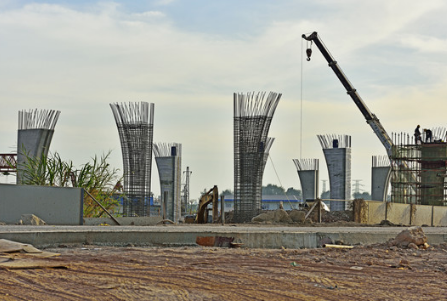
[(371, 119)]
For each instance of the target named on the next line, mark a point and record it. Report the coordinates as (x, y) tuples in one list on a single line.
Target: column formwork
[(168, 157), (35, 132), (253, 113), (135, 123), (380, 177), (337, 152), (419, 169), (308, 172)]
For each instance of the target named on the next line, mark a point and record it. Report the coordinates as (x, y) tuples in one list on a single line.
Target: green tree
[(325, 195), (361, 195), (272, 189), (227, 192)]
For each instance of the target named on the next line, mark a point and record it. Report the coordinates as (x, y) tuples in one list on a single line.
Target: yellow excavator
[(202, 213)]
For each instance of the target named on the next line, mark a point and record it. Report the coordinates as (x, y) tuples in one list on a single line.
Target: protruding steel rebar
[(306, 164), (135, 123), (253, 113), (38, 119)]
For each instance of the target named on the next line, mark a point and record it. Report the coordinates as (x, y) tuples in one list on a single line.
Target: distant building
[(269, 202)]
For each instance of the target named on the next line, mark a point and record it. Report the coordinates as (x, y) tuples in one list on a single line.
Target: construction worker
[(417, 135), (428, 135)]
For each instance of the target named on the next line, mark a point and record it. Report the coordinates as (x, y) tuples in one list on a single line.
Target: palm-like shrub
[(97, 177)]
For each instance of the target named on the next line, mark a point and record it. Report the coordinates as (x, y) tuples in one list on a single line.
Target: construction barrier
[(374, 212)]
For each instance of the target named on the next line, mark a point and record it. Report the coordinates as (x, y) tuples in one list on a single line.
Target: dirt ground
[(375, 272)]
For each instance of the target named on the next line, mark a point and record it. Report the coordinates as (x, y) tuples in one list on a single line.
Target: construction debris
[(337, 246), (413, 237), (31, 219), (15, 255), (216, 241)]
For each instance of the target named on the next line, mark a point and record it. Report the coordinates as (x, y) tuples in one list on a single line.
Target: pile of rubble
[(411, 238), (280, 216)]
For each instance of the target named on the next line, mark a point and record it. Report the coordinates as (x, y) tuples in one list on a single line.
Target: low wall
[(123, 221), (54, 205), (373, 212)]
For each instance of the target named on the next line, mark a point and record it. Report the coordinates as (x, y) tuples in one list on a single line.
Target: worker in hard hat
[(417, 135), (428, 135)]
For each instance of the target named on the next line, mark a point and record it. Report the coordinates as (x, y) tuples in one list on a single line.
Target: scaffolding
[(418, 173), (253, 115), (135, 122)]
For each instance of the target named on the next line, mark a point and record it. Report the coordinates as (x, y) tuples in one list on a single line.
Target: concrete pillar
[(433, 167), (308, 173), (337, 152), (36, 129), (168, 159), (380, 178)]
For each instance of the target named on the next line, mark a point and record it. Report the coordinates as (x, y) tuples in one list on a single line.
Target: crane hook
[(309, 50), (309, 53)]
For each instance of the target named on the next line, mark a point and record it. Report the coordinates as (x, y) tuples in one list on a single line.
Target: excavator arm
[(371, 119)]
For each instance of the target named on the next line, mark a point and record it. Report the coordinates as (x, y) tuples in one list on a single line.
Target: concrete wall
[(376, 212), (55, 205), (124, 221), (405, 214), (439, 216)]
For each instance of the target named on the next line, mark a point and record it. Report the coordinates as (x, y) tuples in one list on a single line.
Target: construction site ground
[(98, 272)]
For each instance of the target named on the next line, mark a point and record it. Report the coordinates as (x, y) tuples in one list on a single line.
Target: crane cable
[(301, 101), (287, 197)]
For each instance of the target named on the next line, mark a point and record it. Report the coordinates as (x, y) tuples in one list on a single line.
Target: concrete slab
[(180, 235)]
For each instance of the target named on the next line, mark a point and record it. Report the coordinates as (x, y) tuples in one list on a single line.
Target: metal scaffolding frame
[(8, 163), (419, 170), (135, 123), (253, 113)]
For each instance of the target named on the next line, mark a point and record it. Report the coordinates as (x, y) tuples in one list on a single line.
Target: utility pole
[(324, 185), (357, 186), (186, 189)]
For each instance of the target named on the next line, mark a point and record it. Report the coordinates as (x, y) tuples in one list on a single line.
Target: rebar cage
[(418, 169), (253, 115), (135, 123)]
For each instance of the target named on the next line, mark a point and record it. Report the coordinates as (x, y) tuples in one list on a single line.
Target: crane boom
[(371, 119)]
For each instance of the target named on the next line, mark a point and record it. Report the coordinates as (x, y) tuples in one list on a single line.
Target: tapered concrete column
[(308, 173), (337, 152), (36, 129), (380, 177), (169, 164)]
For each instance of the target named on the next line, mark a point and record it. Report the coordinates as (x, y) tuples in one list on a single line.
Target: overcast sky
[(188, 57)]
